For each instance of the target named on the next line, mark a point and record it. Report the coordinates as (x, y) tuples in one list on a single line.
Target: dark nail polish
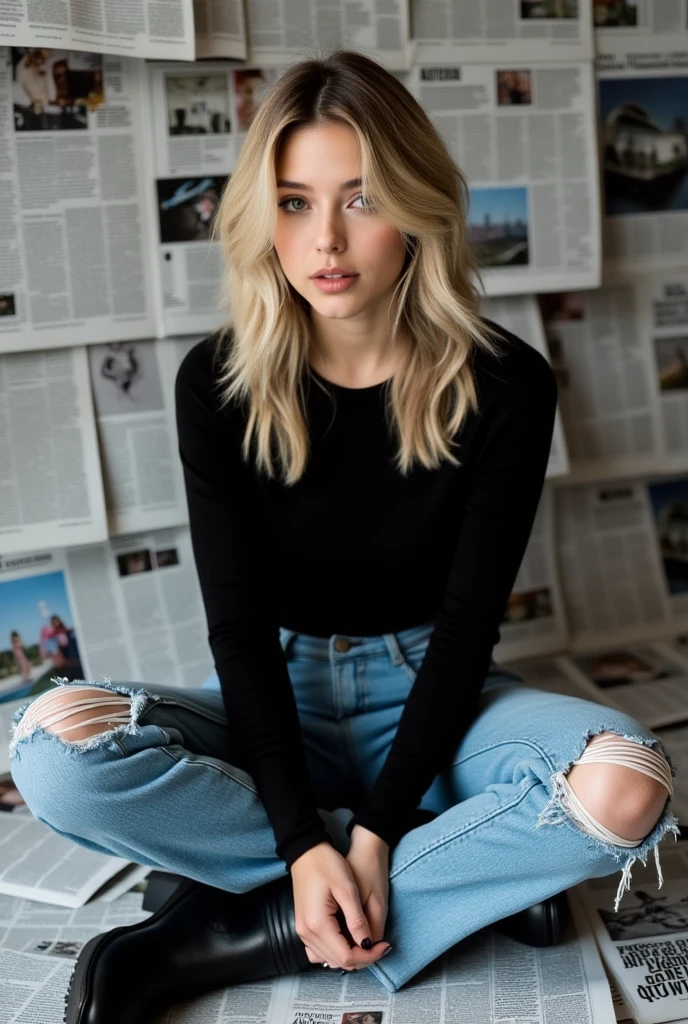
[(366, 944)]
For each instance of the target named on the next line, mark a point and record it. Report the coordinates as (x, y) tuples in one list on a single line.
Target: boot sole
[(80, 982)]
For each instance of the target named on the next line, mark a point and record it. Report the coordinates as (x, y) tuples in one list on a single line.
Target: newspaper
[(133, 391), (33, 988), (640, 28), (622, 559), (534, 623), (645, 943), (487, 977), (38, 864), (644, 152), (199, 119), (520, 315), (675, 740), (280, 33), (130, 609), (49, 465), (147, 28), (480, 30), (74, 248), (621, 358), (524, 135), (220, 27), (30, 927)]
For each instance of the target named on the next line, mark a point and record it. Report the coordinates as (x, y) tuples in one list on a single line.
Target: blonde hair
[(417, 186)]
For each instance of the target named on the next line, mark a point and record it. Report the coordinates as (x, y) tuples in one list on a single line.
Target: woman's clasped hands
[(343, 900)]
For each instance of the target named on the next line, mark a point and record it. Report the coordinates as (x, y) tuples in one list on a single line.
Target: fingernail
[(388, 950), (367, 944)]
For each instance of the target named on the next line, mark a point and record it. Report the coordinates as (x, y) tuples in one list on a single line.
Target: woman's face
[(327, 225)]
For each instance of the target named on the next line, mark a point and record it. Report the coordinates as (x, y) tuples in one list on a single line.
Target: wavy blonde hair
[(417, 186)]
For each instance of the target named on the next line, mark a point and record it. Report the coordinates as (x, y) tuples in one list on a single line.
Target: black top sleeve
[(230, 546), (498, 518)]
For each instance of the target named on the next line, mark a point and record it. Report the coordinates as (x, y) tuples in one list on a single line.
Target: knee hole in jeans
[(76, 713), (618, 788)]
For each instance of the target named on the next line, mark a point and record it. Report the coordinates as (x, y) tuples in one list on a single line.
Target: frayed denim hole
[(556, 812), (139, 698)]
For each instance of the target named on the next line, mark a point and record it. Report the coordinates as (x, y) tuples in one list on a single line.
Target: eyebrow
[(283, 183)]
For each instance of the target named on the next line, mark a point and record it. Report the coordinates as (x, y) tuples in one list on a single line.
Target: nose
[(330, 235)]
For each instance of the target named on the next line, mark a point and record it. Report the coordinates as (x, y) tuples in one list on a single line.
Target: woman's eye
[(367, 203)]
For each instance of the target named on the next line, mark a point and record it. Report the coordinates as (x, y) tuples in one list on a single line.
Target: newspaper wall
[(479, 30), (220, 27), (640, 27), (621, 358), (643, 98), (133, 390), (74, 244), (534, 622), (130, 609), (524, 135), (282, 33), (645, 944), (520, 315), (49, 468), (144, 28), (198, 123), (622, 557)]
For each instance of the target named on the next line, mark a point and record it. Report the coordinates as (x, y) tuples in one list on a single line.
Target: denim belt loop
[(393, 648)]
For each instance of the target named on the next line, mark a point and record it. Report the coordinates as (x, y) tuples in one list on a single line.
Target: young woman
[(364, 456)]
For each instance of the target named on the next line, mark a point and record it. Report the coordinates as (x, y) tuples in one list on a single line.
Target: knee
[(616, 793), (75, 713)]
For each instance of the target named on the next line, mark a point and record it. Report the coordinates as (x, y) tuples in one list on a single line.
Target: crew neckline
[(343, 388)]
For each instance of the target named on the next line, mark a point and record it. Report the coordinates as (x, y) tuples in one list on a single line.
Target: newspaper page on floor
[(645, 943), (75, 248), (139, 28), (524, 135), (479, 30)]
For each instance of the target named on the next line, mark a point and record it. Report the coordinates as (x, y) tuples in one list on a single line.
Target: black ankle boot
[(542, 924), (201, 939)]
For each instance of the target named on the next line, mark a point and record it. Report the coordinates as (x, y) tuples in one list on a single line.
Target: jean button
[(341, 644)]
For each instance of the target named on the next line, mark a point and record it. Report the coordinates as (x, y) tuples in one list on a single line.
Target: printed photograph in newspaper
[(549, 9), (197, 104), (645, 143), (249, 86), (623, 667), (125, 378), (671, 355), (498, 226), (40, 641), (615, 13), (186, 207), (514, 88), (55, 89), (529, 604), (669, 503), (7, 304), (363, 1017)]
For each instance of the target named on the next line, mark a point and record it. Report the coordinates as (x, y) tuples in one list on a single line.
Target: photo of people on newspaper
[(669, 502), (55, 89), (187, 206), (514, 88), (671, 355), (615, 13), (36, 622), (645, 143), (197, 104), (498, 225), (549, 9), (249, 87)]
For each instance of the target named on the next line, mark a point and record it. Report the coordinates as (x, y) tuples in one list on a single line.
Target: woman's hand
[(325, 893), (368, 858)]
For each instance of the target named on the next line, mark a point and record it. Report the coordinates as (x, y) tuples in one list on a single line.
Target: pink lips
[(333, 285)]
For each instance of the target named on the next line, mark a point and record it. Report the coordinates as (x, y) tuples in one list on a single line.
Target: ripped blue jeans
[(163, 789)]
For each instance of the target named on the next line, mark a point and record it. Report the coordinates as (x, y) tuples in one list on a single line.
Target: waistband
[(346, 646)]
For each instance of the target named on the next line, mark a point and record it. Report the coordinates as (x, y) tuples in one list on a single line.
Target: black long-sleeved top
[(356, 548)]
